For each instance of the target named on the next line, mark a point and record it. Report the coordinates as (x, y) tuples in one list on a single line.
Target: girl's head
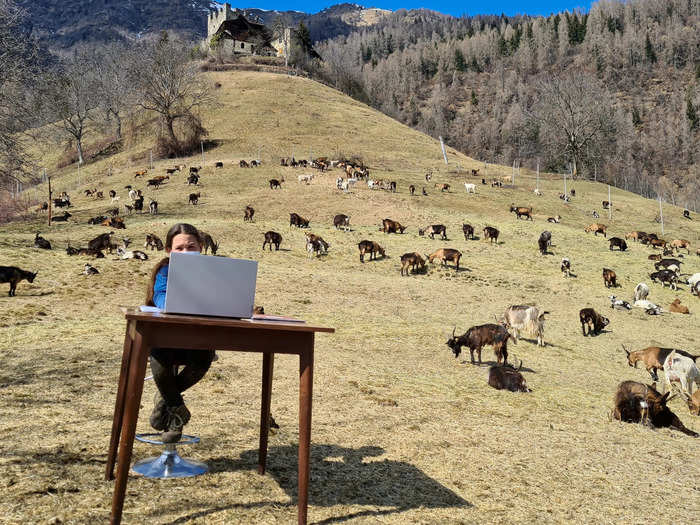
[(183, 237)]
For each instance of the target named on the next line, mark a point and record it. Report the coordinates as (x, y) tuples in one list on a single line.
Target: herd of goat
[(634, 401)]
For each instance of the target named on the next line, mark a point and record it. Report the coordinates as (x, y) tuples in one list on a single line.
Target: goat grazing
[(194, 198), (445, 255), (641, 291), (411, 260), (208, 243), (526, 318), (434, 229), (389, 226), (565, 267), (620, 243), (341, 221), (468, 231), (681, 369), (248, 214), (491, 234), (596, 229), (153, 242), (521, 211), (298, 221), (370, 247), (544, 242), (653, 358), (595, 322), (13, 275), (477, 337), (664, 277)]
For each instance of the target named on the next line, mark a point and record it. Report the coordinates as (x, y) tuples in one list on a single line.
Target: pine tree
[(692, 115), (460, 62), (649, 51)]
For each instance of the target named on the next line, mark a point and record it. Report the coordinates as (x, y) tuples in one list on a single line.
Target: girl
[(169, 412)]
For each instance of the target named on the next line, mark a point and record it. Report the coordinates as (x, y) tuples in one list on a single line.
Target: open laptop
[(207, 285)]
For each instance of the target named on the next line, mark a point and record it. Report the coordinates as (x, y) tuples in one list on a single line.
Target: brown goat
[(653, 358), (677, 308), (507, 378), (595, 322), (445, 255), (521, 211), (389, 226), (639, 403), (411, 260), (677, 244), (609, 278), (477, 337), (248, 214), (596, 229), (370, 247)]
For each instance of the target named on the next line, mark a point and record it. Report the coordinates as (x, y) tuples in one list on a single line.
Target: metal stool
[(169, 464)]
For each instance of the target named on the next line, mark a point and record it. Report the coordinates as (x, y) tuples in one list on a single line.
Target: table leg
[(119, 405), (137, 372), (306, 378), (268, 365)]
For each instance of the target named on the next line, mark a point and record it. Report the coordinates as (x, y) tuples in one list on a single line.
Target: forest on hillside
[(611, 94)]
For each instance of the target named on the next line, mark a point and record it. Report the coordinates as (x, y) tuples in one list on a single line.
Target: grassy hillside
[(403, 432)]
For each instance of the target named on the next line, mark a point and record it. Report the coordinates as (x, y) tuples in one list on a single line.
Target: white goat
[(641, 291), (681, 369), (136, 254), (537, 192), (471, 188), (619, 303), (526, 318), (306, 178)]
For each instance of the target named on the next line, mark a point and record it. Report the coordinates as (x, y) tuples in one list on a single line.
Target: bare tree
[(17, 68), (116, 68), (171, 85), (74, 96), (575, 118)]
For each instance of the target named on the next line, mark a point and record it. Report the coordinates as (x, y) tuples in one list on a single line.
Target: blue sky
[(456, 8)]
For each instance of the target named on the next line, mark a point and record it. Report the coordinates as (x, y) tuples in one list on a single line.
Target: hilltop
[(402, 431)]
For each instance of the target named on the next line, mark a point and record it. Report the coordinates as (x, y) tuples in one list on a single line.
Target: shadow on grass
[(495, 363), (343, 476)]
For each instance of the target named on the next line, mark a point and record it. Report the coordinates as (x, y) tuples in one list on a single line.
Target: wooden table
[(157, 330)]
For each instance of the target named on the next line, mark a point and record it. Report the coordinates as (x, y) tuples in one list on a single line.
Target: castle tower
[(215, 19)]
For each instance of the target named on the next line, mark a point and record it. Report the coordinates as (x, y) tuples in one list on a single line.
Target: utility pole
[(609, 204), (661, 215), (201, 143), (444, 153), (50, 201), (538, 175)]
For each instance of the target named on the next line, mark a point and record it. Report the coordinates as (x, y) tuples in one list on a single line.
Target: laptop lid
[(208, 285)]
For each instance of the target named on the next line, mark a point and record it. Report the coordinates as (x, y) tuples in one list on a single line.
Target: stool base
[(169, 464)]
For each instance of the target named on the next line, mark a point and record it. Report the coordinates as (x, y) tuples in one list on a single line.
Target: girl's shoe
[(177, 418), (159, 414)]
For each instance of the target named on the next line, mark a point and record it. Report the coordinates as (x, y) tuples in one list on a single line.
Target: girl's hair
[(177, 229)]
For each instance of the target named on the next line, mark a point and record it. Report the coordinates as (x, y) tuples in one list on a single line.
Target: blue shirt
[(160, 286)]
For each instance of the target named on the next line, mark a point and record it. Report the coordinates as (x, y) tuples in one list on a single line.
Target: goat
[(544, 242), (370, 247), (596, 229), (526, 318), (341, 221), (275, 183), (425, 193), (298, 221), (389, 226), (208, 242), (606, 204), (657, 243), (135, 254), (595, 215), (641, 291), (681, 369), (248, 214), (556, 219), (101, 242), (507, 378), (153, 207), (468, 231), (315, 245), (609, 278), (412, 260), (307, 178), (477, 337), (475, 172), (619, 303), (443, 187), (13, 275), (140, 173), (42, 243), (677, 308), (667, 264), (565, 267), (620, 243), (521, 211), (653, 358), (694, 403), (195, 169), (90, 270), (649, 307), (491, 234), (537, 192), (655, 257), (665, 276), (138, 203), (272, 237), (434, 229), (635, 235), (445, 255), (639, 403), (693, 280), (153, 242), (194, 198), (412, 190), (219, 164), (193, 179), (470, 188), (595, 322), (171, 171), (62, 218)]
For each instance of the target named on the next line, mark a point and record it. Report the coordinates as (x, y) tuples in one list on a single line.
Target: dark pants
[(195, 364)]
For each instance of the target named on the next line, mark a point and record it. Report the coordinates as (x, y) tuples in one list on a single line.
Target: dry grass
[(402, 432)]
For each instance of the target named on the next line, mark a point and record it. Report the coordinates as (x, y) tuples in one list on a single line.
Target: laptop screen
[(210, 285)]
